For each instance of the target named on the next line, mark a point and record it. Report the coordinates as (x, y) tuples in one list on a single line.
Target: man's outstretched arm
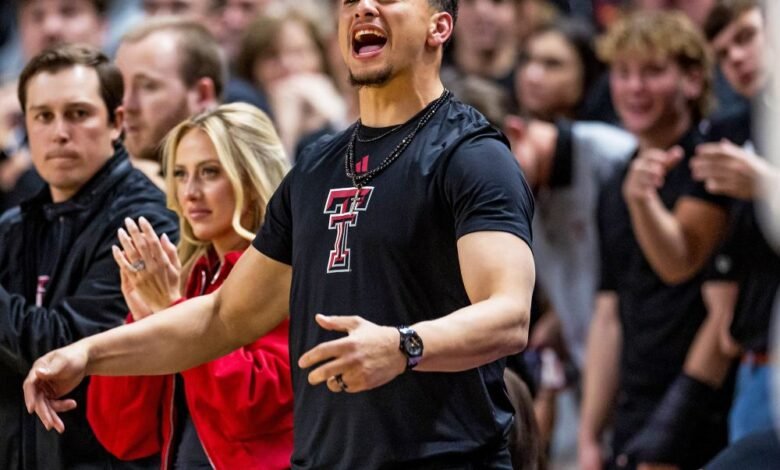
[(252, 301)]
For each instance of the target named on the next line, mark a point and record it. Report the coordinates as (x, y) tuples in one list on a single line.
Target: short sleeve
[(274, 239), (727, 264), (697, 190), (607, 231), (486, 189), (563, 159)]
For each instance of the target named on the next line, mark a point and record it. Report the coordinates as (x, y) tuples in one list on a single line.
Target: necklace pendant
[(355, 199)]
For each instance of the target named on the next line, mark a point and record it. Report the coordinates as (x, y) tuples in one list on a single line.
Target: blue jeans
[(752, 408)]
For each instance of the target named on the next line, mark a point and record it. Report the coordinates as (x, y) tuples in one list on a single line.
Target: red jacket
[(241, 403)]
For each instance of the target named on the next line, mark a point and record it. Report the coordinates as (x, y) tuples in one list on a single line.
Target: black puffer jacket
[(71, 242)]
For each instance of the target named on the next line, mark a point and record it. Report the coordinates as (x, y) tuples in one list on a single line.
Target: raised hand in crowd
[(149, 267), (305, 103), (730, 170), (647, 173)]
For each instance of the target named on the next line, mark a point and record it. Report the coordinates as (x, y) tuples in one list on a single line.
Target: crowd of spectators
[(637, 124)]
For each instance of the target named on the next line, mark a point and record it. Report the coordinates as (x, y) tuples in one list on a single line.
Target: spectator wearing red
[(235, 411)]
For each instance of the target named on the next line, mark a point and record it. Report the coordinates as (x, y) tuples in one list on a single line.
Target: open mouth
[(368, 40)]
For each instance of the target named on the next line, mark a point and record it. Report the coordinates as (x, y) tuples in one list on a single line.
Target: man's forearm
[(708, 360), (474, 335), (169, 341), (661, 238), (601, 367)]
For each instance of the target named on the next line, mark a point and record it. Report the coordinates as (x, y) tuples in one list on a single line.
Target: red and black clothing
[(240, 404)]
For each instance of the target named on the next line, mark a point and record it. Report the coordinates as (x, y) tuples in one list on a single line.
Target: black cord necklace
[(360, 180), (365, 140)]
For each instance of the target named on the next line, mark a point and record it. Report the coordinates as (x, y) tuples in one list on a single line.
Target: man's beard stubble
[(153, 149), (376, 79), (149, 152)]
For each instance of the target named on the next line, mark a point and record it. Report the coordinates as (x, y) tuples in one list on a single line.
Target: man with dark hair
[(173, 69), (448, 6), (58, 278), (735, 29), (41, 24), (731, 166), (400, 250)]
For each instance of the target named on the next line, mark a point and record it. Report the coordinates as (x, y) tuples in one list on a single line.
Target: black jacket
[(71, 241)]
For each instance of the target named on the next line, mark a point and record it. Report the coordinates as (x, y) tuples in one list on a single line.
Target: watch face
[(413, 345)]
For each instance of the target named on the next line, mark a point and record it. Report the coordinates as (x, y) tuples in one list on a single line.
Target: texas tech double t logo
[(344, 206)]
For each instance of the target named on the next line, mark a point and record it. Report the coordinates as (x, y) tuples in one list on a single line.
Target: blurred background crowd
[(634, 122)]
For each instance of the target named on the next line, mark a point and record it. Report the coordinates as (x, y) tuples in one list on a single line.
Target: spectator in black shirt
[(730, 166), (650, 309), (417, 215)]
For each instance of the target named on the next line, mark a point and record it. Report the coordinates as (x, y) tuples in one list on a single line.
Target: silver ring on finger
[(340, 381), (138, 266)]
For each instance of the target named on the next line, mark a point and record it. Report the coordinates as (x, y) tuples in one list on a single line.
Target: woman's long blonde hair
[(252, 157)]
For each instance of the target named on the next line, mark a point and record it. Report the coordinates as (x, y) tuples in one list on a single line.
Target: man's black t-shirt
[(746, 256), (658, 321), (393, 260)]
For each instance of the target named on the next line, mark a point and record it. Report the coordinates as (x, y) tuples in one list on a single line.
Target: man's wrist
[(587, 435), (411, 346), (90, 353)]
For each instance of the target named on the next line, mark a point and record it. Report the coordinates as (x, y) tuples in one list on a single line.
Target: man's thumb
[(674, 156), (43, 372), (336, 323)]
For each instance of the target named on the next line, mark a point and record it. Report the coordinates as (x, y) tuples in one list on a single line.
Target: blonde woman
[(236, 411)]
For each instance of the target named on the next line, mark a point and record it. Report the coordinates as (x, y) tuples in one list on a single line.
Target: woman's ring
[(138, 265)]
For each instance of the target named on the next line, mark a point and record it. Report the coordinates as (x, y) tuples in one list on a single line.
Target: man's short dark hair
[(724, 12), (62, 57), (449, 6), (101, 6)]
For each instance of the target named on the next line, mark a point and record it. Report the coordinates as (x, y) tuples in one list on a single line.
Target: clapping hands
[(149, 267)]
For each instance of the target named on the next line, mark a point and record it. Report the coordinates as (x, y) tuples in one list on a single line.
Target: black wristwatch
[(411, 345)]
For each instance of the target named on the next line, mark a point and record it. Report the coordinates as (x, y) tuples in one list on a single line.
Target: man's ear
[(441, 29), (116, 126), (203, 95), (515, 128)]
